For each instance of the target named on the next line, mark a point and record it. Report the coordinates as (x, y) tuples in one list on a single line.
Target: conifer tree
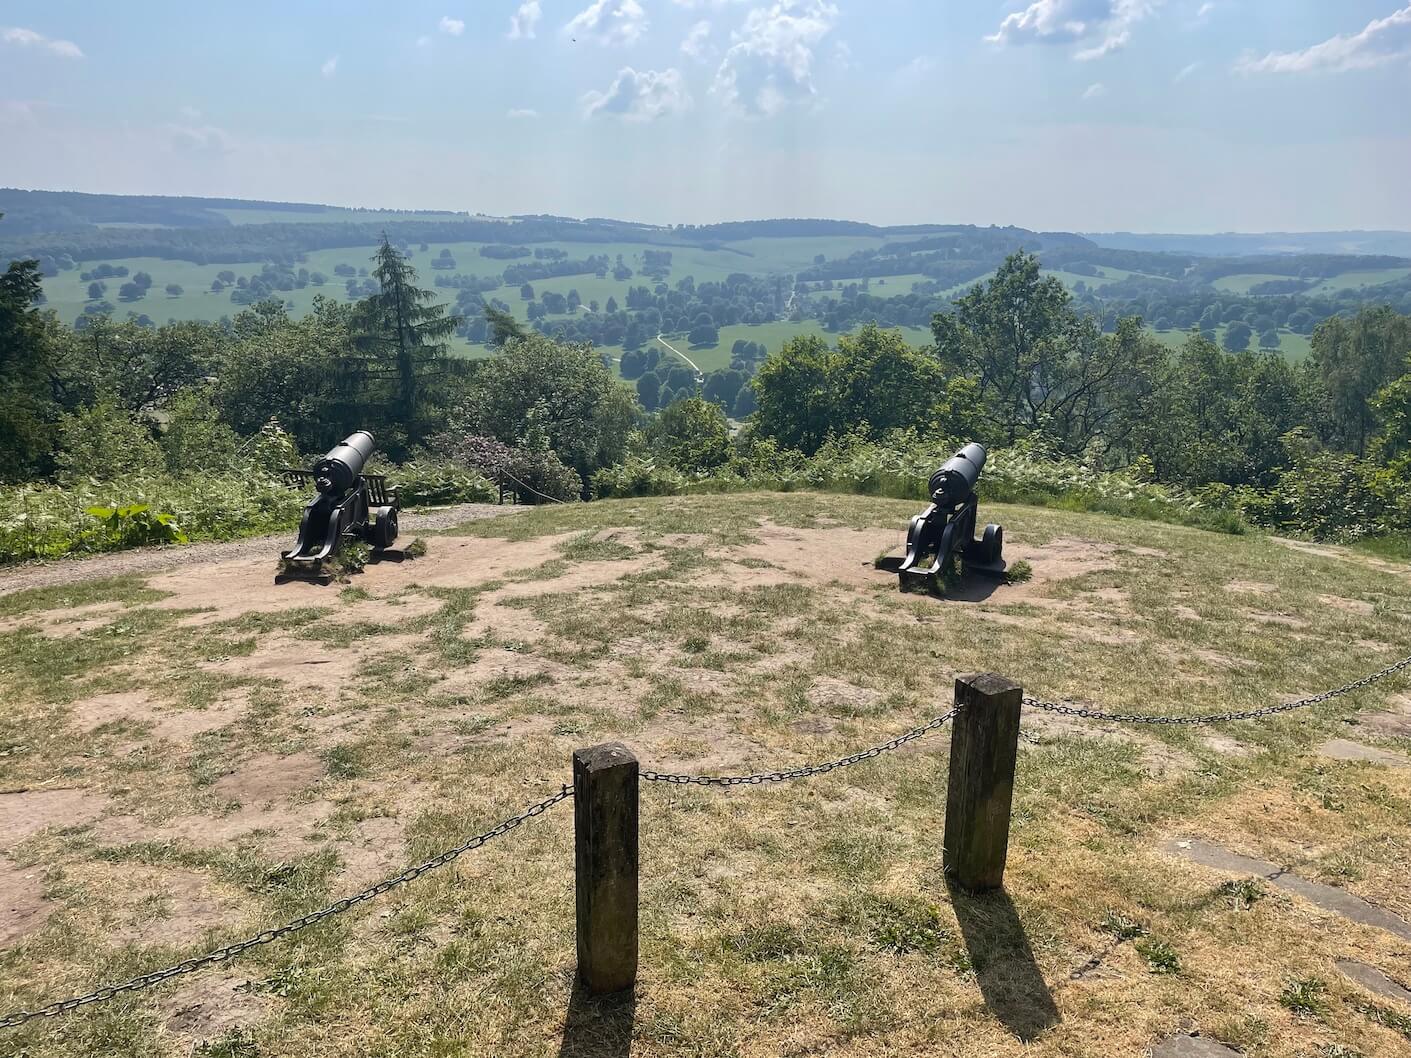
[(404, 327)]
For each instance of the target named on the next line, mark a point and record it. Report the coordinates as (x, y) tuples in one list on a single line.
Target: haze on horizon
[(1083, 115)]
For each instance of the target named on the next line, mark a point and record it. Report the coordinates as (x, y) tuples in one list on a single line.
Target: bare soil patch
[(24, 813), (23, 908), (269, 777), (166, 906), (210, 1004)]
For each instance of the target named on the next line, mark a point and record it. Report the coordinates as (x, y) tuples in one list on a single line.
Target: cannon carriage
[(349, 505), (946, 530)]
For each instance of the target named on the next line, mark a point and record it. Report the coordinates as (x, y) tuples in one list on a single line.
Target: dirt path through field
[(156, 559)]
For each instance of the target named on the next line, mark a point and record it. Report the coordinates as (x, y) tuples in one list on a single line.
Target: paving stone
[(1325, 896), (1373, 980), (1191, 1047), (1343, 749)]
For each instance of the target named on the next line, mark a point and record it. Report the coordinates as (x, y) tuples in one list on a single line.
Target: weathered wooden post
[(983, 748), (605, 866)]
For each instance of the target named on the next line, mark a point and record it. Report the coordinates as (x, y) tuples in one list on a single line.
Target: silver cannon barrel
[(338, 471), (957, 477)]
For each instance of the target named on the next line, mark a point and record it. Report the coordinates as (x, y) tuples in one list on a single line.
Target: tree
[(27, 375), (1354, 359), (503, 326), (1269, 339), (693, 434), (526, 292), (649, 390), (130, 291), (611, 305), (174, 290), (96, 290), (143, 280), (1038, 365), (1237, 336), (404, 327), (558, 390)]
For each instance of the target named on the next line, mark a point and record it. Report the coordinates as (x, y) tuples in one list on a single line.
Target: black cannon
[(349, 504), (946, 529)]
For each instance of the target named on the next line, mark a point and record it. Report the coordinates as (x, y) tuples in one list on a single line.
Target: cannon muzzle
[(338, 471), (957, 477)]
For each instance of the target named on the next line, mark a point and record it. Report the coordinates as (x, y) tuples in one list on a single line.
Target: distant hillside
[(29, 212), (1387, 243)]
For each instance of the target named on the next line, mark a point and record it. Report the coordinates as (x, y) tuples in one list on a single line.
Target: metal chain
[(1218, 718), (807, 769), (531, 488), (230, 951)]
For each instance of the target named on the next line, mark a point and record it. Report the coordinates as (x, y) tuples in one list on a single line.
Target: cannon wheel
[(992, 543), (383, 532)]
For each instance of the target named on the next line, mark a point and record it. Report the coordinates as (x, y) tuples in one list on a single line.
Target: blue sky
[(1147, 115)]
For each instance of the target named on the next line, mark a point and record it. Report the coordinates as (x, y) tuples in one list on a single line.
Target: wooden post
[(605, 866), (984, 745)]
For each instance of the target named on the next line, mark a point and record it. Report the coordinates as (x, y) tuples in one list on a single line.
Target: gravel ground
[(155, 559)]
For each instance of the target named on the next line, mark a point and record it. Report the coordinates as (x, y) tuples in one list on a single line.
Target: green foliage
[(693, 434), (423, 482), (538, 394), (1122, 928), (102, 442), (1159, 956), (135, 525), (1018, 573), (1038, 365), (872, 382), (1305, 996), (905, 925)]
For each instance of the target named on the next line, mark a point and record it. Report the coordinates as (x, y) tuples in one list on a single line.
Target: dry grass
[(203, 754)]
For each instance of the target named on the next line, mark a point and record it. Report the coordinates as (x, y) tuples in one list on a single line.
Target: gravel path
[(155, 559)]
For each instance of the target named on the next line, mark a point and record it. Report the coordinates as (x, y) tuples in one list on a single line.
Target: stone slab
[(1327, 897), (1344, 749), (1191, 1047), (1373, 980)]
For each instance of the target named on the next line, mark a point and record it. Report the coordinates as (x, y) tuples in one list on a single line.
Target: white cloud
[(643, 96), (1187, 70), (609, 22), (1101, 26), (1205, 10), (329, 68), (201, 140), (189, 112), (1094, 90), (915, 70), (695, 45), (521, 113), (1383, 40), (28, 38), (453, 26), (523, 21), (770, 64)]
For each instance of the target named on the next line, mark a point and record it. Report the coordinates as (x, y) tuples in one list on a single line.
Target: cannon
[(349, 505), (946, 529)]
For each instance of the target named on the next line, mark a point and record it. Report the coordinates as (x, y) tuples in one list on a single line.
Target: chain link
[(230, 951), (807, 769), (1218, 718)]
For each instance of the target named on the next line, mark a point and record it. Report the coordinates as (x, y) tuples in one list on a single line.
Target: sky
[(1079, 115)]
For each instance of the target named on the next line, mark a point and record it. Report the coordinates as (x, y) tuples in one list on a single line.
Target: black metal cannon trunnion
[(349, 504), (947, 527)]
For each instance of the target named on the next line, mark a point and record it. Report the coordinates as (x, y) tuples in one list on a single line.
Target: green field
[(1292, 347), (1354, 280), (67, 293)]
